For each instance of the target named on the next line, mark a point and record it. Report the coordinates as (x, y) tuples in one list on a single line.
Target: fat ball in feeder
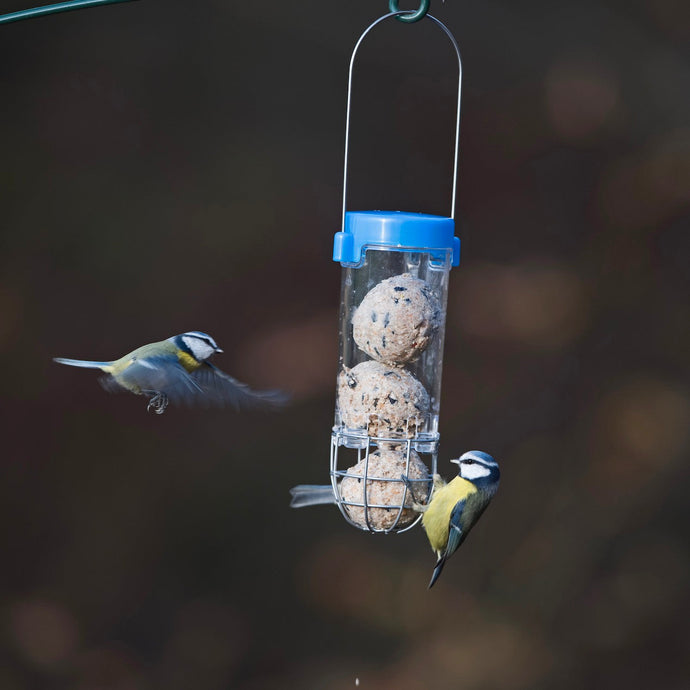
[(396, 319), (388, 402)]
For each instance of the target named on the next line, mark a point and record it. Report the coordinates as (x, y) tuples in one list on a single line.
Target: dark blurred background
[(168, 166)]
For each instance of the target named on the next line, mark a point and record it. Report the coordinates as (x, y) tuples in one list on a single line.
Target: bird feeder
[(395, 271)]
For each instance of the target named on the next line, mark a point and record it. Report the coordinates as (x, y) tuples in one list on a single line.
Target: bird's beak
[(218, 349), (456, 461)]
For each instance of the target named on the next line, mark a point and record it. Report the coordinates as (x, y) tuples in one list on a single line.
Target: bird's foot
[(158, 403), (439, 482), (418, 507)]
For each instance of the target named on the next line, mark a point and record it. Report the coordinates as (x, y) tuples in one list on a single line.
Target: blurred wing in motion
[(214, 387)]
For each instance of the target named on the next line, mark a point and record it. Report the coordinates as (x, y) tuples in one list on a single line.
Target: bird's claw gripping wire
[(416, 506)]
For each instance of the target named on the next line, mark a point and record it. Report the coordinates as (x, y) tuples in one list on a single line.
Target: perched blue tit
[(177, 370), (455, 507)]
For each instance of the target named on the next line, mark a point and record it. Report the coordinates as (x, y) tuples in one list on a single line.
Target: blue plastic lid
[(420, 232)]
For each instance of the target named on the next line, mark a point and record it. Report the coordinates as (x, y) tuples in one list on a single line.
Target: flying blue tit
[(177, 370), (455, 507)]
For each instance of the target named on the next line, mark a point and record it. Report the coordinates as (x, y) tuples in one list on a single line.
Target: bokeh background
[(167, 166)]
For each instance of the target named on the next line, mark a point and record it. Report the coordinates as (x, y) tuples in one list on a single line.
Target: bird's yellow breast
[(436, 518), (187, 361)]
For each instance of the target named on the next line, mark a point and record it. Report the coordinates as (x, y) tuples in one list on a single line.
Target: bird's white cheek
[(199, 348), (475, 471)]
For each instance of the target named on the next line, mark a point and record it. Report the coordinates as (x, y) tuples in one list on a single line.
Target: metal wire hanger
[(53, 9), (407, 16)]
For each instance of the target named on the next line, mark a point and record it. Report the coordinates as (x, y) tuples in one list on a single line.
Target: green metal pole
[(52, 9)]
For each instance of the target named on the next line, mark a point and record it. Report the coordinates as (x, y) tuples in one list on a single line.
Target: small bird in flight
[(177, 370)]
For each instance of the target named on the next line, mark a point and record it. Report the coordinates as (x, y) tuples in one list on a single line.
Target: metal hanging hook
[(448, 33), (410, 16)]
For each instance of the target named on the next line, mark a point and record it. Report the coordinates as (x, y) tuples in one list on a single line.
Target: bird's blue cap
[(410, 232)]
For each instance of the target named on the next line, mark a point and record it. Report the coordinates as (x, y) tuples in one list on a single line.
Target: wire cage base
[(367, 479)]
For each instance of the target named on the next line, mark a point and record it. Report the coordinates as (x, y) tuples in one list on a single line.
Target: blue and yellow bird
[(455, 507), (452, 510), (177, 370)]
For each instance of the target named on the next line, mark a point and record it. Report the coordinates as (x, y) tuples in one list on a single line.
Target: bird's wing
[(456, 529), (160, 374), (456, 535), (464, 517), (215, 387)]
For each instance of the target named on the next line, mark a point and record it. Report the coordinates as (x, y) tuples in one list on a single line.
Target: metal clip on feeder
[(395, 269)]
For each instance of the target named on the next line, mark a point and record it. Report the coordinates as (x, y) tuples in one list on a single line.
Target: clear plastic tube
[(392, 327), (379, 286)]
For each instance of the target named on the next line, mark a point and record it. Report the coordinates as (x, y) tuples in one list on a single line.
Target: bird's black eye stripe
[(469, 462)]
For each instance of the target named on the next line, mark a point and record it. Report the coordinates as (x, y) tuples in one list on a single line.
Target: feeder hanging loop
[(412, 15), (451, 38)]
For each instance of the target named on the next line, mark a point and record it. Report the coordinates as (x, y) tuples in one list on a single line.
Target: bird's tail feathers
[(311, 495), (104, 366), (437, 571)]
